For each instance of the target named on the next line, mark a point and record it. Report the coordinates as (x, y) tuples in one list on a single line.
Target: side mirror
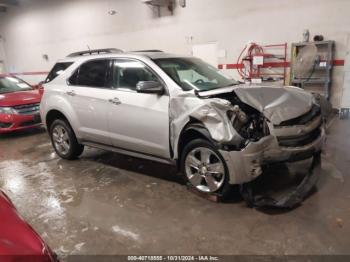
[(150, 87)]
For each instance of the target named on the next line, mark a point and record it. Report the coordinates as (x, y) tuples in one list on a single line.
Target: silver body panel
[(150, 125)]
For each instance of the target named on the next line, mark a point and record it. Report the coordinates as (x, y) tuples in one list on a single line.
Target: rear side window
[(92, 73), (58, 69)]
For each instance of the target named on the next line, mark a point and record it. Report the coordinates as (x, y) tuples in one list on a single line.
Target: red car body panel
[(20, 98), (18, 240), (13, 122)]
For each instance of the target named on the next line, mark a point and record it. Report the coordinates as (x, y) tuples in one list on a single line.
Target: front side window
[(92, 73), (193, 73), (58, 69), (127, 73), (9, 84)]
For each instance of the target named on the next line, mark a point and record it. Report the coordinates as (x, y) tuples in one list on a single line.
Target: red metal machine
[(265, 62)]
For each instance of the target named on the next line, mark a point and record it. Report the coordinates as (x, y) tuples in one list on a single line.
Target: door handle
[(71, 93), (115, 101)]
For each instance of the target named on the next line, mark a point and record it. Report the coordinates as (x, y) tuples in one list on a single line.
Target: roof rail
[(145, 51), (96, 51)]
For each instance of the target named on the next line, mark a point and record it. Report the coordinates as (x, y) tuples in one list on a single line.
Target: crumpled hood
[(278, 104)]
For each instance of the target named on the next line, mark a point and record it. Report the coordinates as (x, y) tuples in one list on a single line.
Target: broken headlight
[(250, 126)]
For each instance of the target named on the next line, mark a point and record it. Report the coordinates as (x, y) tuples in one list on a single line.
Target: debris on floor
[(292, 198), (339, 222)]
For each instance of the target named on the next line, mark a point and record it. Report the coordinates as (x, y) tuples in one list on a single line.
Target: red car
[(19, 105), (18, 240)]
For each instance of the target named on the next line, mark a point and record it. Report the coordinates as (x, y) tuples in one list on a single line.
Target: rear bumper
[(15, 122), (246, 165)]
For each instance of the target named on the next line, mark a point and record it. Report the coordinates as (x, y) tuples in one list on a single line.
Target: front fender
[(211, 113), (200, 128)]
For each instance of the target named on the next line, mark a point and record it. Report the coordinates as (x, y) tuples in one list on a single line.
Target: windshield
[(9, 84), (193, 73)]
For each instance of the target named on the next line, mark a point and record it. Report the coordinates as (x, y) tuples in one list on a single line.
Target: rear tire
[(204, 168), (64, 140)]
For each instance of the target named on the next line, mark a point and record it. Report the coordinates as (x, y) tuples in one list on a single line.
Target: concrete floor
[(106, 203)]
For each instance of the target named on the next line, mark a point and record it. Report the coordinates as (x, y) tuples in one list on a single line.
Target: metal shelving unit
[(273, 57), (321, 78)]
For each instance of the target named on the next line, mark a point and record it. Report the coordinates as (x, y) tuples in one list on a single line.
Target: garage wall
[(2, 57), (56, 28)]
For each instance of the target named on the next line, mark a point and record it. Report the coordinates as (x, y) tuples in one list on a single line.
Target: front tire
[(204, 168), (64, 140)]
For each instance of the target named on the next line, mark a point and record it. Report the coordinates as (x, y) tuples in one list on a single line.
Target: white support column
[(345, 98), (2, 56)]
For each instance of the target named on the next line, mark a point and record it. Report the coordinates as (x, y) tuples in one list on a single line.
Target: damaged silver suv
[(178, 110)]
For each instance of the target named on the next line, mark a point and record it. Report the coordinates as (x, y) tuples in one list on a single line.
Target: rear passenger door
[(88, 92), (137, 121)]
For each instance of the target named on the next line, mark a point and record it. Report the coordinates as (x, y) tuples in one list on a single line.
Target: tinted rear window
[(58, 69), (92, 73)]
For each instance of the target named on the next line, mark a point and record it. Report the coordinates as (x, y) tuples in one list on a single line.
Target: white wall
[(57, 28), (2, 56)]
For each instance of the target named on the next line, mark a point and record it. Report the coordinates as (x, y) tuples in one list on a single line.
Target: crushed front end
[(290, 141), (273, 139)]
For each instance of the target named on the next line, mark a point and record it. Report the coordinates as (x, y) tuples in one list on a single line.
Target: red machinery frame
[(250, 71)]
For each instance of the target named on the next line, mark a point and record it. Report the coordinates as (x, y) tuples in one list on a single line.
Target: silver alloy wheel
[(204, 169), (61, 139)]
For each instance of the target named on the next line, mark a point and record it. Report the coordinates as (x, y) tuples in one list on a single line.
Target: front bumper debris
[(246, 165), (290, 200)]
